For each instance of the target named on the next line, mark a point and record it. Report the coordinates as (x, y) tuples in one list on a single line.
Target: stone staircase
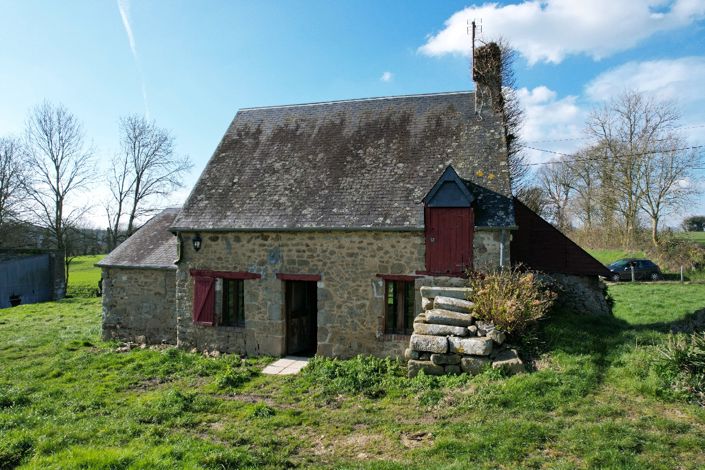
[(448, 339)]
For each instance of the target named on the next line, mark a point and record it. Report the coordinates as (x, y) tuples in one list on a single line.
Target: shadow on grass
[(605, 339)]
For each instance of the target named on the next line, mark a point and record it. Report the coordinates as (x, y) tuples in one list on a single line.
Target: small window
[(233, 310), (399, 308)]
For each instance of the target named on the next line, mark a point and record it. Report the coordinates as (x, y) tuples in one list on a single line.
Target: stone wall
[(486, 249), (448, 339), (582, 294), (138, 305), (350, 294)]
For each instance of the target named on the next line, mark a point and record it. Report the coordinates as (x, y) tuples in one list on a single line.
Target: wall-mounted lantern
[(197, 241)]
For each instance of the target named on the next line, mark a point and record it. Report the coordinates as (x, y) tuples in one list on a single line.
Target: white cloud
[(680, 80), (550, 30), (387, 77), (547, 117)]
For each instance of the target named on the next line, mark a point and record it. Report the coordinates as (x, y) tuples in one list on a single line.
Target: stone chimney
[(487, 75)]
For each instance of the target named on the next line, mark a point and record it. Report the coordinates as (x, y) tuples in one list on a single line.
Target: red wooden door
[(449, 236)]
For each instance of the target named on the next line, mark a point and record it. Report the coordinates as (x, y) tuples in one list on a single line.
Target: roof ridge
[(374, 98)]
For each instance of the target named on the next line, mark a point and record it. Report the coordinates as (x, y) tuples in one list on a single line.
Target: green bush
[(682, 364), (512, 299), (672, 253)]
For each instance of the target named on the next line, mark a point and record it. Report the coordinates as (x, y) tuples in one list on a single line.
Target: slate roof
[(357, 164), (150, 247)]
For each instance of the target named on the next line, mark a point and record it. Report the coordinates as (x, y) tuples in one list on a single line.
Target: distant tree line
[(695, 223), (48, 174), (637, 170)]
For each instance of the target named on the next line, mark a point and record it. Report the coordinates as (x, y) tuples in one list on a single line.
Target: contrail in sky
[(124, 7)]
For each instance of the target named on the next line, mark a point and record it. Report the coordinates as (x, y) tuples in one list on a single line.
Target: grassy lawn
[(697, 236), (611, 255), (595, 400), (83, 275)]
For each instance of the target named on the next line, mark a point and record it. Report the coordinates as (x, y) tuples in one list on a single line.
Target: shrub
[(672, 253), (512, 299), (683, 364)]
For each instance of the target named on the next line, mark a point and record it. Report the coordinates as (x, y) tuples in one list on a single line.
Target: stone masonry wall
[(486, 250), (138, 305), (582, 294), (350, 295)]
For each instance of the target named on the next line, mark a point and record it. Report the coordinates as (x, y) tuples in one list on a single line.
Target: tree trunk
[(654, 230)]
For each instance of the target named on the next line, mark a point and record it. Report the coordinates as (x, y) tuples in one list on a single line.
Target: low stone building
[(313, 227), (139, 285)]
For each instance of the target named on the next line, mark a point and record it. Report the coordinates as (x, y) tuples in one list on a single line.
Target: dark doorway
[(301, 317)]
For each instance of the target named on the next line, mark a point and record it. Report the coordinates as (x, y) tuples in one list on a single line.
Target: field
[(609, 256), (697, 236), (595, 400), (83, 275)]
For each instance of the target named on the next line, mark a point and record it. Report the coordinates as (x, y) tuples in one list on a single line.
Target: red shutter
[(204, 300)]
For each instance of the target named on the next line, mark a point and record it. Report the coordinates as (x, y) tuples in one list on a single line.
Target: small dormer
[(449, 225)]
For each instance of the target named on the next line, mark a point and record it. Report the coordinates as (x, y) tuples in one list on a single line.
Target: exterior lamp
[(197, 241)]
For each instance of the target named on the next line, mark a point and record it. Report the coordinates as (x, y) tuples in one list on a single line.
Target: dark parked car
[(643, 269)]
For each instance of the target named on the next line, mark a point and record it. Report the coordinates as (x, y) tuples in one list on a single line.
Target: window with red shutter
[(204, 300)]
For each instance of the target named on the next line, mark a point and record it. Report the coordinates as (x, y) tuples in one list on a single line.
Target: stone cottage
[(313, 226)]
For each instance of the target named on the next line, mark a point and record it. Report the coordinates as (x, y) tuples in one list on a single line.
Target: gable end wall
[(139, 303)]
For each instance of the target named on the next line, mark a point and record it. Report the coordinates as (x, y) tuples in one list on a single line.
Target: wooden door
[(449, 238), (301, 317)]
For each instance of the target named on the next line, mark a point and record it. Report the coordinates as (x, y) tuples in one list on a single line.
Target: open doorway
[(301, 317)]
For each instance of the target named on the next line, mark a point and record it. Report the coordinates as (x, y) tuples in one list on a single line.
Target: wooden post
[(681, 274), (632, 268)]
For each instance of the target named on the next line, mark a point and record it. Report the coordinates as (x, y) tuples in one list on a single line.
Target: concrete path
[(286, 366)]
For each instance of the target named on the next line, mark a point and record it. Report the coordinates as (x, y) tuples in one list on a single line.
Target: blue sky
[(192, 65)]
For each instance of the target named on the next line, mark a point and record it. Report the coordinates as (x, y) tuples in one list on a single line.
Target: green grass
[(696, 236), (656, 304), (595, 400), (84, 276), (609, 256)]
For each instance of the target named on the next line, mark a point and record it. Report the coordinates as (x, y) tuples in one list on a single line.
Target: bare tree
[(628, 130), (555, 181), (154, 169), (667, 177), (120, 182), (584, 169), (534, 198), (13, 172), (61, 166)]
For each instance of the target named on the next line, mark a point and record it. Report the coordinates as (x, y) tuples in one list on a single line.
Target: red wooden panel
[(204, 300), (541, 246), (449, 237)]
